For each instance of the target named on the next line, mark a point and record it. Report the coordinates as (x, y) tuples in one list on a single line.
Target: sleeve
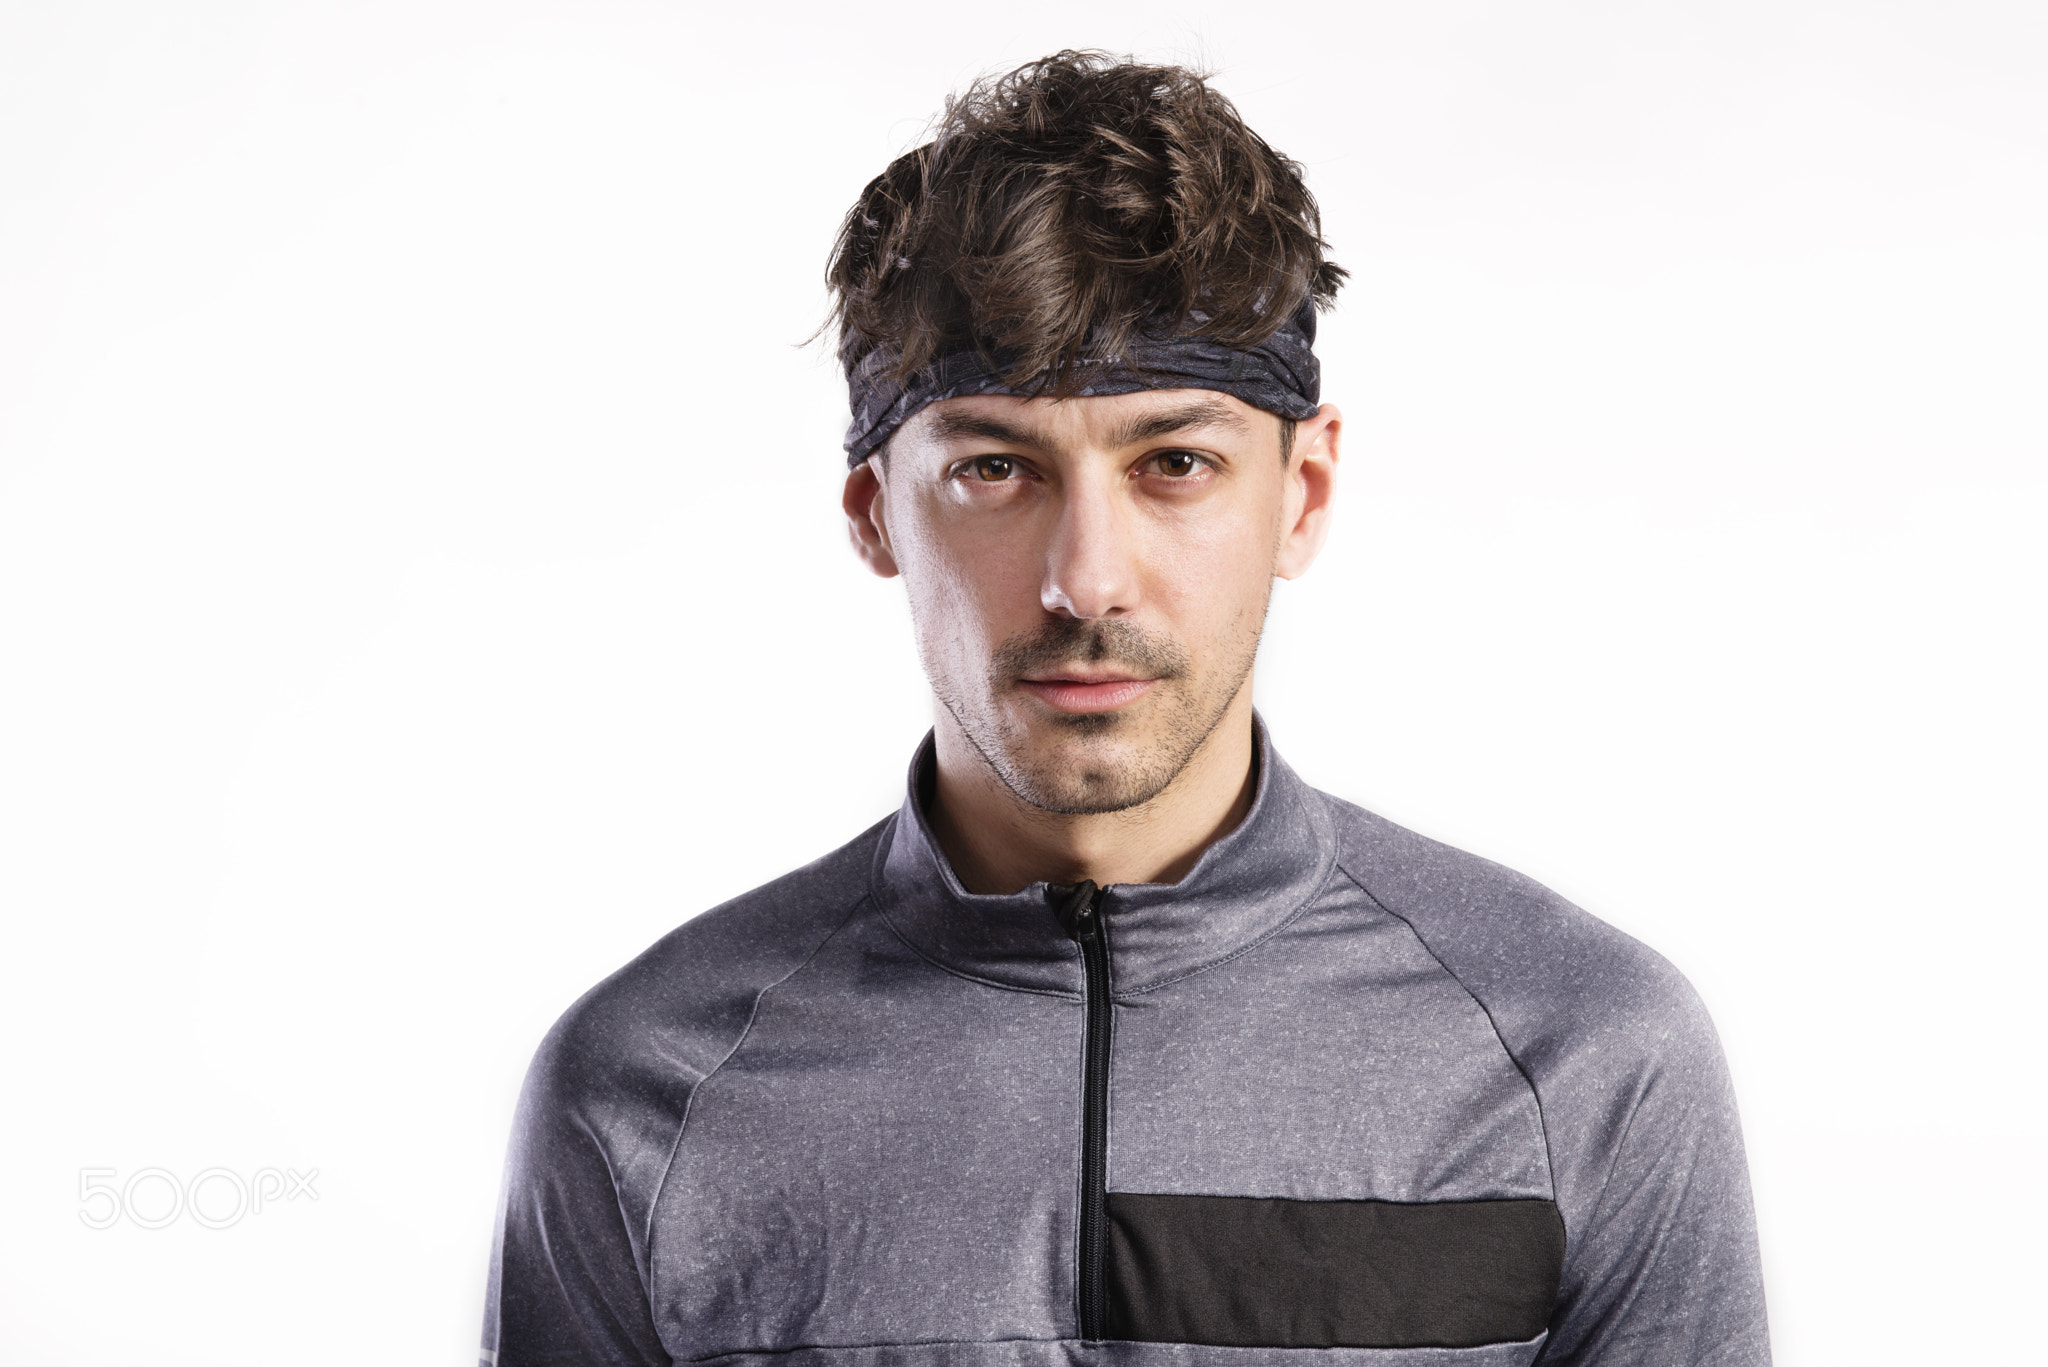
[(568, 1281), (1662, 1269)]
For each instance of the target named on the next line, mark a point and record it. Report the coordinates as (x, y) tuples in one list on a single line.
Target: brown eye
[(994, 469), (1178, 463)]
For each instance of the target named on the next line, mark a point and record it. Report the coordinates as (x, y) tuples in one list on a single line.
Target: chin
[(1089, 764), (1091, 793)]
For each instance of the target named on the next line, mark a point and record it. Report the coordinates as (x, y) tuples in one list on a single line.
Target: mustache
[(1073, 640)]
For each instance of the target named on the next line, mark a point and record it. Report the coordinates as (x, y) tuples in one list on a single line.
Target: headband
[(1280, 375)]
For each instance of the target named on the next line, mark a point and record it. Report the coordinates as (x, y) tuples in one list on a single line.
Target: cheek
[(968, 591), (1210, 575)]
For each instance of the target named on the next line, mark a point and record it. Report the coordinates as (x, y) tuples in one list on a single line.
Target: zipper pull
[(1078, 910)]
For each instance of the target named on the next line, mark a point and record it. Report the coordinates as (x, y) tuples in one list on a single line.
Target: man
[(1117, 1043)]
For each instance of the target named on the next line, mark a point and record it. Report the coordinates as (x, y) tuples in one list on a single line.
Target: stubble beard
[(1093, 763)]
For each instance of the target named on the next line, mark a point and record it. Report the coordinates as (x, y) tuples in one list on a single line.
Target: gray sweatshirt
[(1341, 1097)]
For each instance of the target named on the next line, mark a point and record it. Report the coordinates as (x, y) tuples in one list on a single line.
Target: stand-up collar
[(1241, 888)]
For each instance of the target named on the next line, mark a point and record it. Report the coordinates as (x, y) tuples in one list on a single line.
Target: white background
[(421, 583)]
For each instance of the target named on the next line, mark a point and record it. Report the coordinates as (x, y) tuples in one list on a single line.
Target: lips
[(1087, 695)]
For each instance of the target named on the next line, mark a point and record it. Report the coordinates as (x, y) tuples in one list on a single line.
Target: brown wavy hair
[(1066, 207)]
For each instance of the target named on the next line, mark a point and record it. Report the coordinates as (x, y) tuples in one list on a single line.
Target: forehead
[(1107, 421)]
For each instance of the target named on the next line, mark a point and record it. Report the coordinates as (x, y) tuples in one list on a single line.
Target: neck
[(998, 843)]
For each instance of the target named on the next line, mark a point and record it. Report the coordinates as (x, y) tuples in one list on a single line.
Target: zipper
[(1082, 916)]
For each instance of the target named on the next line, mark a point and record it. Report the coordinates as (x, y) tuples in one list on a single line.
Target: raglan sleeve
[(568, 1283), (1661, 1265)]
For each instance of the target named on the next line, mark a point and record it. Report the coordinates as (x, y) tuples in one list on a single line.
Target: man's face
[(1088, 577)]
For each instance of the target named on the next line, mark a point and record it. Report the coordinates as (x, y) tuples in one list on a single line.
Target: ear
[(866, 516), (1311, 488)]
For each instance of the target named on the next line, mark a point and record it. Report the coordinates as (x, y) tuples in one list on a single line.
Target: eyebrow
[(1201, 413), (1144, 427), (987, 428)]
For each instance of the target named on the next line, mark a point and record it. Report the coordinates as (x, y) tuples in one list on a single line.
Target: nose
[(1091, 563)]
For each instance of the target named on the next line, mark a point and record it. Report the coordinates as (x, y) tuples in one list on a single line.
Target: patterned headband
[(1280, 375)]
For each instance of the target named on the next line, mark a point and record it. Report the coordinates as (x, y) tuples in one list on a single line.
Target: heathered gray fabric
[(838, 1120)]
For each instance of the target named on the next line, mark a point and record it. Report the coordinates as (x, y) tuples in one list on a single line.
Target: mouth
[(1077, 691)]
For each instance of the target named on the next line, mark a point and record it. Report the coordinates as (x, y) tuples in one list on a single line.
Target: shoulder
[(680, 1005), (1558, 982)]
